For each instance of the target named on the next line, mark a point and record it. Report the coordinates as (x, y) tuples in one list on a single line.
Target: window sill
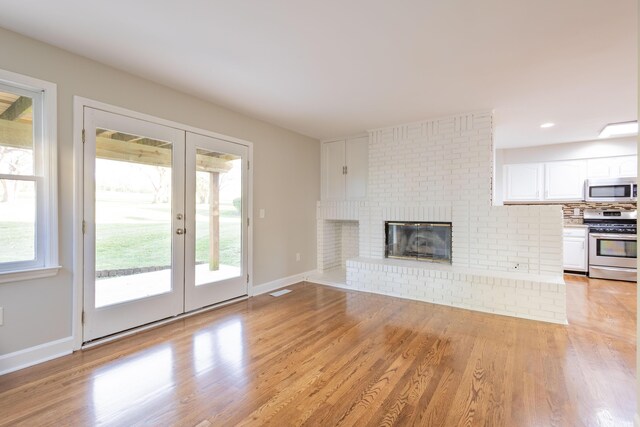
[(35, 273)]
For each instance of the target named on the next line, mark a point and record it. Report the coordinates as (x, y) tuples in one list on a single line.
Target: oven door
[(612, 250)]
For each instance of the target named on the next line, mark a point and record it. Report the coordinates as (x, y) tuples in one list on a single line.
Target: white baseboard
[(33, 355), (280, 283)]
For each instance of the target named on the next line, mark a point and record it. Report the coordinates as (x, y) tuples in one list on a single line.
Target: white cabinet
[(523, 182), (357, 167), (627, 166), (564, 180), (575, 249), (612, 167), (598, 168), (561, 181), (345, 169), (333, 163)]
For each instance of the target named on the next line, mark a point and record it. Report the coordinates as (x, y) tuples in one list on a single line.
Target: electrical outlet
[(298, 257), (518, 266), (261, 213)]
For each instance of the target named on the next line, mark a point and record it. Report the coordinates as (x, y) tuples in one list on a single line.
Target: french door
[(216, 221), (164, 222)]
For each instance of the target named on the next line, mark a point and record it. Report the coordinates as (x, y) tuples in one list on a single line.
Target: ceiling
[(334, 67)]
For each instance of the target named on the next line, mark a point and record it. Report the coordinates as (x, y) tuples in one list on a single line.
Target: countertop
[(573, 225)]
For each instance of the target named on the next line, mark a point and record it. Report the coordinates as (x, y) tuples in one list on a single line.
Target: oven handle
[(614, 236), (614, 268)]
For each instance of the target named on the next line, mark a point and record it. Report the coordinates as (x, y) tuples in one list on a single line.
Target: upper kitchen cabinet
[(612, 167), (552, 181), (564, 180), (523, 182), (345, 169), (561, 181)]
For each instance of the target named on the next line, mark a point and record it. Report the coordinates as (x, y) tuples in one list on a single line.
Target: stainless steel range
[(612, 244)]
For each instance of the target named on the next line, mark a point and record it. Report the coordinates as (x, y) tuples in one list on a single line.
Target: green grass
[(134, 245), (132, 234), (16, 241)]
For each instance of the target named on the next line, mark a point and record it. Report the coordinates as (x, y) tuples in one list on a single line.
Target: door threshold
[(109, 338)]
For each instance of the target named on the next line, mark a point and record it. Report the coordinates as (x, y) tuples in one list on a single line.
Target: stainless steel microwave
[(611, 190)]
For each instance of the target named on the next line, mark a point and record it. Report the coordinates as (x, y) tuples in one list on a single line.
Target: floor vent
[(280, 293)]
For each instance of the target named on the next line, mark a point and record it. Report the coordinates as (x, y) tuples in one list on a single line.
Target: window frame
[(44, 175)]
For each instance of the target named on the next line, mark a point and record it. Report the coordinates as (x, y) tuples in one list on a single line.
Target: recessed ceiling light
[(619, 129), (547, 125)]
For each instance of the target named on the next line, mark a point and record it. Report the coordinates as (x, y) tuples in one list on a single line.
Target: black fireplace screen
[(425, 241)]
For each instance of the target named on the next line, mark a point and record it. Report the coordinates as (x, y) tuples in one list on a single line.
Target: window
[(28, 210)]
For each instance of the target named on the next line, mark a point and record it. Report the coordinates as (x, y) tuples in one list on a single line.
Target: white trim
[(78, 199), (280, 283), (47, 138), (341, 138), (78, 238), (32, 273), (79, 100), (33, 355)]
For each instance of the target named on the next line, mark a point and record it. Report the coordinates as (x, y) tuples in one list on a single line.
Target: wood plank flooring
[(320, 356)]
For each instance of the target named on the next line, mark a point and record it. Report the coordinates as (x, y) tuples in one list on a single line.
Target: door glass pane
[(17, 220), (133, 217), (218, 216), (16, 134)]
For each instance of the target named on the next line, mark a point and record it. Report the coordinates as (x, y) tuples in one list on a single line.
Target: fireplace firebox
[(422, 241)]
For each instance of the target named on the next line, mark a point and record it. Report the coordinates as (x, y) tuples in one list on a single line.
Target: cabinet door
[(627, 166), (565, 180), (357, 152), (612, 167), (575, 253), (333, 163), (523, 182), (598, 168)]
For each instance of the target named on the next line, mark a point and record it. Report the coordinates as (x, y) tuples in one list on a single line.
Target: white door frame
[(78, 196)]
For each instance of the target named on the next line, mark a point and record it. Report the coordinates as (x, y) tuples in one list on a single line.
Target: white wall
[(570, 151), (286, 180)]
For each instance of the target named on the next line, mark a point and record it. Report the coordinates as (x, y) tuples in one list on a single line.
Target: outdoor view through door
[(133, 217), (218, 221), (163, 222)]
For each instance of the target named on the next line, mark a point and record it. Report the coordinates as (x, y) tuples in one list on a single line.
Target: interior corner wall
[(286, 181)]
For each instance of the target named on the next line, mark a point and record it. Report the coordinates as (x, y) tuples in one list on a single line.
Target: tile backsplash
[(569, 217)]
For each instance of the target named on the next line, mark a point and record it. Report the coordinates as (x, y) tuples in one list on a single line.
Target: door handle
[(181, 231)]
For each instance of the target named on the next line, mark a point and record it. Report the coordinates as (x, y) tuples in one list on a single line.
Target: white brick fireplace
[(505, 259)]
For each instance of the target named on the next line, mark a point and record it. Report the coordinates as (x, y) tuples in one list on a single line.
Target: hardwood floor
[(323, 356)]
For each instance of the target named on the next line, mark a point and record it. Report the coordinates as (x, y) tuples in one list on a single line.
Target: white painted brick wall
[(440, 170), (446, 165), (337, 242), (537, 298), (349, 241)]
